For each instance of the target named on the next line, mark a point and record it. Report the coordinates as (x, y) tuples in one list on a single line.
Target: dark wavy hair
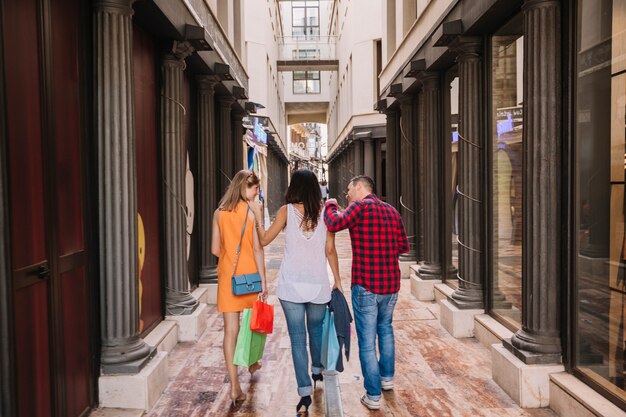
[(305, 189)]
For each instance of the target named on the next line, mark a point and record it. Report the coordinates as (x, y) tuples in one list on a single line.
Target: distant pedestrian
[(233, 225), (378, 238), (324, 190), (303, 286)]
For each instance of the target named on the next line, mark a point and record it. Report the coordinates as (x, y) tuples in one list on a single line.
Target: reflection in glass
[(600, 164), (507, 116), (454, 173)]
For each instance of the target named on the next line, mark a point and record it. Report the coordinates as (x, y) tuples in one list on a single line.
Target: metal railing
[(307, 48)]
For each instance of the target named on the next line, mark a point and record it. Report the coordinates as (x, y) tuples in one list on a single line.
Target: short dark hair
[(365, 180)]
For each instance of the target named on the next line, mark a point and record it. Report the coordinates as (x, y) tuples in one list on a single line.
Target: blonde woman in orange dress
[(228, 221)]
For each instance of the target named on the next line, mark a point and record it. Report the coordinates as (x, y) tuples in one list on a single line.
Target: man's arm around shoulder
[(336, 220)]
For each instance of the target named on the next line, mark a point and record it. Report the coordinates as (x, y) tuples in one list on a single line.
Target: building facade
[(356, 131), (515, 113), (123, 126)]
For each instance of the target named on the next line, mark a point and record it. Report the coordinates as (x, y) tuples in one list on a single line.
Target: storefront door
[(53, 324), (145, 64)]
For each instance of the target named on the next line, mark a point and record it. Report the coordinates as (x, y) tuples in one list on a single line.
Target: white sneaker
[(371, 404), (386, 385)]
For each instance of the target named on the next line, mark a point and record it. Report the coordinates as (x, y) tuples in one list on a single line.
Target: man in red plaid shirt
[(378, 238)]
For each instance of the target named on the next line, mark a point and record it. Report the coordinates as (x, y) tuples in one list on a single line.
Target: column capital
[(467, 47), (237, 114), (114, 6), (430, 80), (535, 4), (226, 101), (406, 98), (179, 51), (391, 111), (206, 83)]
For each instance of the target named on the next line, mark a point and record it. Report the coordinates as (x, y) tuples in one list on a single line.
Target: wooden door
[(51, 289), (145, 63)]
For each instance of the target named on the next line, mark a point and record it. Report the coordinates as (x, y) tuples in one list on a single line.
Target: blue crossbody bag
[(245, 283)]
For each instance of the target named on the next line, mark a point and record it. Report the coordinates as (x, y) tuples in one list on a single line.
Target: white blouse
[(303, 276)]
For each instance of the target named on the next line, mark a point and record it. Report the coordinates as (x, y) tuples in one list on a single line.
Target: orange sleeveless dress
[(230, 223)]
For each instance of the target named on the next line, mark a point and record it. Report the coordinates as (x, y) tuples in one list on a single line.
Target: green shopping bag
[(250, 345)]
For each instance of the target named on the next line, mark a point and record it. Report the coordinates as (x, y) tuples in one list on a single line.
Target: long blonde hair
[(236, 190)]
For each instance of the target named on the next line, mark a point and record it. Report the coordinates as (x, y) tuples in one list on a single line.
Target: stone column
[(392, 157), (225, 142), (178, 300), (407, 172), (207, 148), (123, 351), (369, 167), (238, 132), (431, 267), (472, 260), (358, 158), (7, 367), (419, 176), (539, 339)]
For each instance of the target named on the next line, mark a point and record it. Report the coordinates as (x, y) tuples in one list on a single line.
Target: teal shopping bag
[(250, 345), (330, 343)]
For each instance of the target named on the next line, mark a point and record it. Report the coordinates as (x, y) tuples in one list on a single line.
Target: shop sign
[(260, 134)]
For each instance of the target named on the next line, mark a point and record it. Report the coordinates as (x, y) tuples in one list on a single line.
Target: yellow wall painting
[(141, 237)]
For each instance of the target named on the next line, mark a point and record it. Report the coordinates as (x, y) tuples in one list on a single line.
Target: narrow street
[(436, 375)]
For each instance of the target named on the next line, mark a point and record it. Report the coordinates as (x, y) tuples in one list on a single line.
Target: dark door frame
[(7, 363)]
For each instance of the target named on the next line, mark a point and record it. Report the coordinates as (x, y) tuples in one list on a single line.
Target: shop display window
[(507, 57), (600, 162)]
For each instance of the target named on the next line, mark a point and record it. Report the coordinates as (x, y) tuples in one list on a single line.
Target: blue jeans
[(295, 314), (373, 315)]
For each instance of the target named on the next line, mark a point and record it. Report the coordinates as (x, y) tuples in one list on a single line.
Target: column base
[(499, 301), (191, 326), (113, 359), (527, 385), (533, 356), (409, 256), (405, 268), (593, 266), (179, 303), (596, 251), (140, 390), (211, 292), (429, 271), (459, 323), (422, 289), (164, 336), (571, 397), (465, 299)]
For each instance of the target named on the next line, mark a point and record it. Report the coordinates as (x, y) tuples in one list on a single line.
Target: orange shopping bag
[(262, 319)]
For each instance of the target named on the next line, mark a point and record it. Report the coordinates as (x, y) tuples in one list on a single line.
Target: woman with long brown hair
[(303, 285), (230, 227)]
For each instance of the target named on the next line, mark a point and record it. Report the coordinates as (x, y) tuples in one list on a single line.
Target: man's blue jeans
[(295, 314), (373, 315)]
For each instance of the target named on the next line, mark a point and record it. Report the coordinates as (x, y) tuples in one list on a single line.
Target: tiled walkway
[(436, 375)]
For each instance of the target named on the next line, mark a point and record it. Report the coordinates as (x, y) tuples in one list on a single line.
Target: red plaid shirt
[(378, 238)]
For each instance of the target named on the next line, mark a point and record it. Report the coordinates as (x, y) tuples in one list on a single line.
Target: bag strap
[(243, 230)]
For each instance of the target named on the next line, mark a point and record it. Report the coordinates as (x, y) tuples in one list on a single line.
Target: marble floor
[(436, 375)]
